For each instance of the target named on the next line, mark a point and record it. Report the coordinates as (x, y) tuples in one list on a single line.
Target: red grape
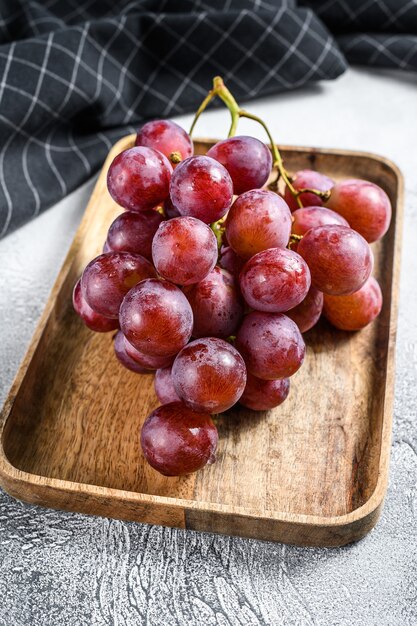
[(275, 280), (247, 160), (356, 310), (94, 321), (308, 179), (108, 278), (138, 178), (177, 440), (365, 205), (133, 232), (230, 261), (263, 395), (217, 305), (124, 358), (311, 217), (164, 387), (307, 313), (165, 136), (201, 187), (271, 345), (209, 375), (184, 250), (340, 260), (145, 360), (156, 318), (258, 220)]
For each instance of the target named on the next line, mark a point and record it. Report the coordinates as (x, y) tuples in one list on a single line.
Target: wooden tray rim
[(13, 480)]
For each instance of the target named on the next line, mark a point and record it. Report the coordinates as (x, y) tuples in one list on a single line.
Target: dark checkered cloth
[(76, 75)]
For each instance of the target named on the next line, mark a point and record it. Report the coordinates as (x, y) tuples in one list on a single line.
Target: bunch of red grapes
[(211, 279)]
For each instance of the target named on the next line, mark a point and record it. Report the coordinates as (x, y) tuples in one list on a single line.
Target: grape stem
[(221, 91)]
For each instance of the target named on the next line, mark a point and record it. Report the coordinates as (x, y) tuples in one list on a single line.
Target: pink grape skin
[(307, 313), (275, 280), (201, 187), (264, 395), (165, 136), (123, 357), (217, 305), (133, 232), (357, 310), (339, 258), (156, 318), (247, 160), (94, 321), (271, 345), (308, 179), (176, 440), (311, 217), (184, 250), (230, 261), (164, 387), (365, 205), (138, 178), (258, 220), (107, 279), (209, 375), (145, 360)]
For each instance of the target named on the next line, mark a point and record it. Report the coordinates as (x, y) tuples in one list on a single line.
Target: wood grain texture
[(312, 472)]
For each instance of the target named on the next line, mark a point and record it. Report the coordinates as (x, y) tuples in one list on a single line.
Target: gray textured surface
[(65, 569)]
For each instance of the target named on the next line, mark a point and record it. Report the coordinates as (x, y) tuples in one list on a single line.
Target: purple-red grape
[(201, 187), (124, 358), (263, 395), (366, 207), (307, 313), (339, 258), (165, 136), (258, 220), (209, 375), (275, 280), (176, 440), (164, 387), (217, 305), (356, 310), (156, 318), (133, 232), (247, 160), (311, 217), (94, 321), (308, 179), (184, 250), (138, 178), (271, 345), (107, 279), (145, 360), (230, 261)]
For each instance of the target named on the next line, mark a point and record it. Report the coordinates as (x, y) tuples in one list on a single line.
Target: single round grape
[(275, 280), (366, 207), (138, 178), (156, 318), (217, 305), (311, 217), (258, 220), (263, 395), (145, 360), (209, 375), (201, 187), (339, 258), (356, 310), (133, 232), (164, 387), (247, 160), (230, 261), (124, 358), (308, 179), (94, 321), (184, 250), (167, 137), (271, 345), (307, 313), (107, 279), (176, 440)]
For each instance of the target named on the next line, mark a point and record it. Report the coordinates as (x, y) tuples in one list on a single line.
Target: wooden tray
[(312, 472)]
